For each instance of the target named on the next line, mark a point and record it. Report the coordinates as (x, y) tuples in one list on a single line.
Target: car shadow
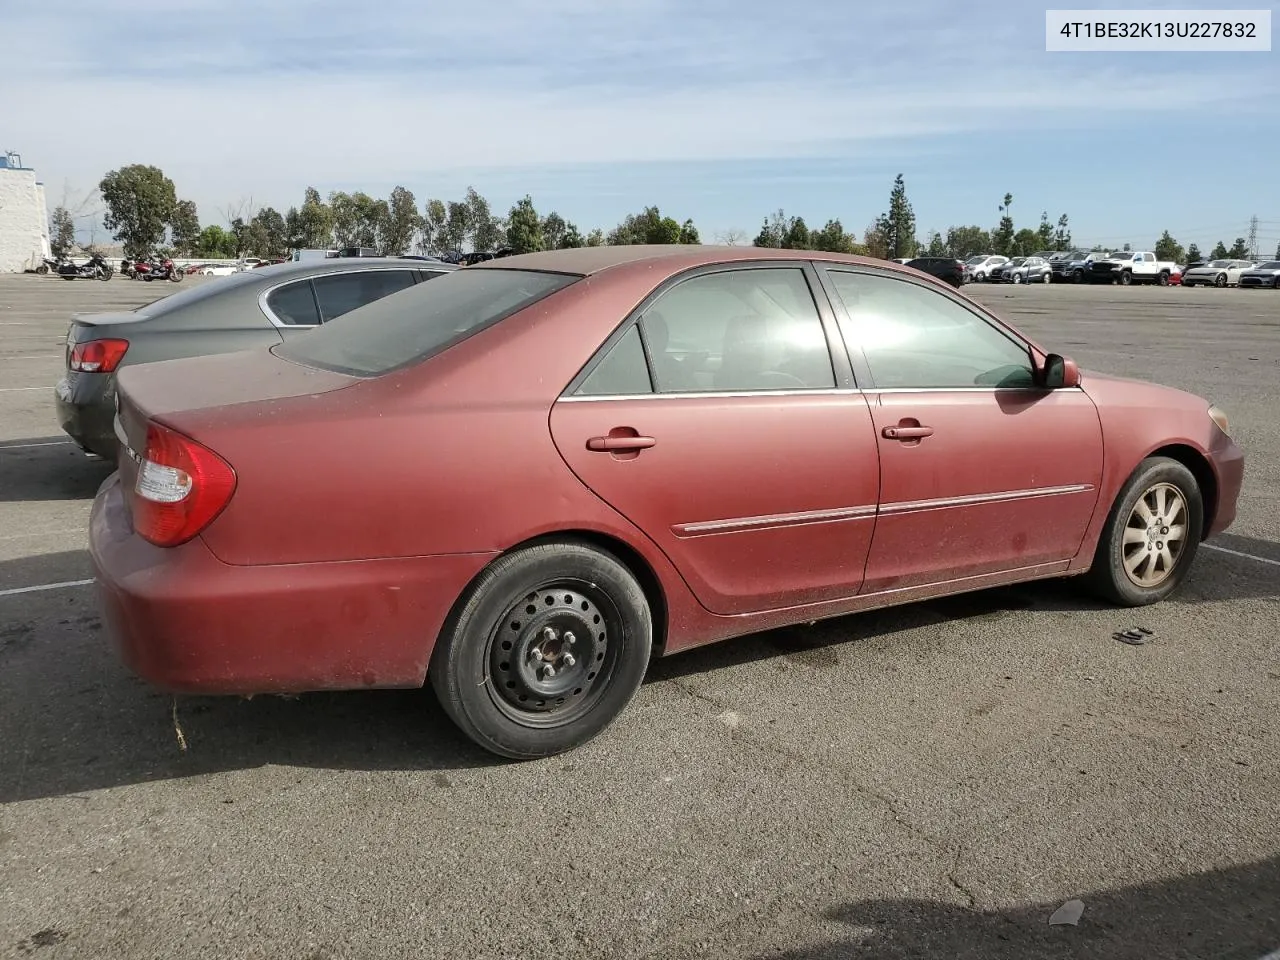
[(1227, 913), (49, 468), (1216, 577), (73, 718)]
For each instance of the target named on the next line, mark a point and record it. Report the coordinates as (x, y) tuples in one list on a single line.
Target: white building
[(24, 220)]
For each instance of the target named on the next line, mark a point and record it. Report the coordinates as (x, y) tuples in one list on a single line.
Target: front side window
[(917, 338), (738, 330)]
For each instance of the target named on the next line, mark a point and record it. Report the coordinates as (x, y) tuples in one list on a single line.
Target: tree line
[(143, 209)]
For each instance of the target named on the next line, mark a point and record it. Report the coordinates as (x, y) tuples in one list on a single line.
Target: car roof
[(585, 261), (328, 264)]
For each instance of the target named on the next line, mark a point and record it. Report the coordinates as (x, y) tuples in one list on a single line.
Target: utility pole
[(1253, 238)]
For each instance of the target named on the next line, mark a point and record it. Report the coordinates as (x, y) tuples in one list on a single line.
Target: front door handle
[(906, 433), (620, 443)]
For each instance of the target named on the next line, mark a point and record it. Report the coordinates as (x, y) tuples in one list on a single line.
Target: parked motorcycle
[(161, 270), (96, 269), (158, 269)]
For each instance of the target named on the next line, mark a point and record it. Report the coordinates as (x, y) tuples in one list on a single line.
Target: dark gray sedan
[(1263, 275), (256, 308)]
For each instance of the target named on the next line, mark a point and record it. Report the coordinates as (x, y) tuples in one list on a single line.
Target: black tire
[(596, 611), (1126, 278), (1108, 577), (1164, 278), (1220, 280), (1077, 276)]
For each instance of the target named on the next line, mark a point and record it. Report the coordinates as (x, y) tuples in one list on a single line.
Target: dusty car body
[(520, 480)]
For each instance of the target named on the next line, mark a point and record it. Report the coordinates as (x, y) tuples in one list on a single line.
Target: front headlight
[(1219, 416)]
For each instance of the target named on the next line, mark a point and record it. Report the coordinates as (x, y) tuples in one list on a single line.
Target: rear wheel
[(1164, 278), (548, 646), (1151, 536)]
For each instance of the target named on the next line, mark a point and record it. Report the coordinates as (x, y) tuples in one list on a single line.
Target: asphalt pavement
[(931, 781)]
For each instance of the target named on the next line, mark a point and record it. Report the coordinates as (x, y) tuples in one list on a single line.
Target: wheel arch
[(1202, 470), (626, 554)]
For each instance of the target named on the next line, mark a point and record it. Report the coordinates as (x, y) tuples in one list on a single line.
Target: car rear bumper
[(86, 409), (187, 622), (1228, 465)]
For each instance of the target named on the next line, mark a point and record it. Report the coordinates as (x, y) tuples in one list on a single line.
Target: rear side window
[(397, 331), (294, 304), (341, 293)]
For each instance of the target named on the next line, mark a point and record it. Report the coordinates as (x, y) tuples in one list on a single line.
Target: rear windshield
[(420, 322), (211, 288)]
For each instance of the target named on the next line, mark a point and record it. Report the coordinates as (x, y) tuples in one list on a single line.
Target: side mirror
[(1059, 372)]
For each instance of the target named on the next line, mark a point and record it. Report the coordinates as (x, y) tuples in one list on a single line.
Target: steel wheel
[(546, 647), (1154, 535), (549, 656)]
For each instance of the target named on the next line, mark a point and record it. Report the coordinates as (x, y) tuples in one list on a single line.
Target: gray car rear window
[(418, 323)]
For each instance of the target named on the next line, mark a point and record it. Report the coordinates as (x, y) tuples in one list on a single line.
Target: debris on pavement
[(1135, 636), (1069, 913)]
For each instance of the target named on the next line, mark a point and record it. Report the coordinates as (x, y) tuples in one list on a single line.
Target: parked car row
[(1080, 266), (414, 473)]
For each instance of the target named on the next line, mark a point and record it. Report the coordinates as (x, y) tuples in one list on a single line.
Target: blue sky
[(719, 110)]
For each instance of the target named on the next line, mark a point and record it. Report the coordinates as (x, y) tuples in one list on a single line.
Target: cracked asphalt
[(929, 781)]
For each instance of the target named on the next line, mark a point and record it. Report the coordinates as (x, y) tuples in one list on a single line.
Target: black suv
[(950, 269)]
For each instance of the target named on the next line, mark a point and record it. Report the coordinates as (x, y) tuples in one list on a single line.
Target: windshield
[(212, 288), (974, 261), (1269, 265), (421, 321), (1220, 263), (1018, 261)]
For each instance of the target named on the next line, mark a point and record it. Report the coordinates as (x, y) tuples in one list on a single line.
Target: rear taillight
[(97, 356), (181, 487)]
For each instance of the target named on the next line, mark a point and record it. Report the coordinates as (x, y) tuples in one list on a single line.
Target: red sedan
[(519, 481)]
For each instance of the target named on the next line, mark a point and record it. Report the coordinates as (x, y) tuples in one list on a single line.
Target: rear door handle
[(906, 433), (620, 443)]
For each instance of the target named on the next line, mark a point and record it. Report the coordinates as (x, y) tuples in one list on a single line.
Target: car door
[(722, 419), (981, 471)]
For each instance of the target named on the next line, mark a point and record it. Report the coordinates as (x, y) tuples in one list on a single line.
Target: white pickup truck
[(1141, 266)]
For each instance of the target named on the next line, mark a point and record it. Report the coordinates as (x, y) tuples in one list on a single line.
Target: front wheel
[(1017, 278), (1047, 278), (1126, 278), (1220, 280), (547, 647), (176, 276), (1151, 536)]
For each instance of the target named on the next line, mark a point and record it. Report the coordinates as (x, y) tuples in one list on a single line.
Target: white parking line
[(1246, 556), (36, 356), (11, 389), (45, 586), (24, 446)]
